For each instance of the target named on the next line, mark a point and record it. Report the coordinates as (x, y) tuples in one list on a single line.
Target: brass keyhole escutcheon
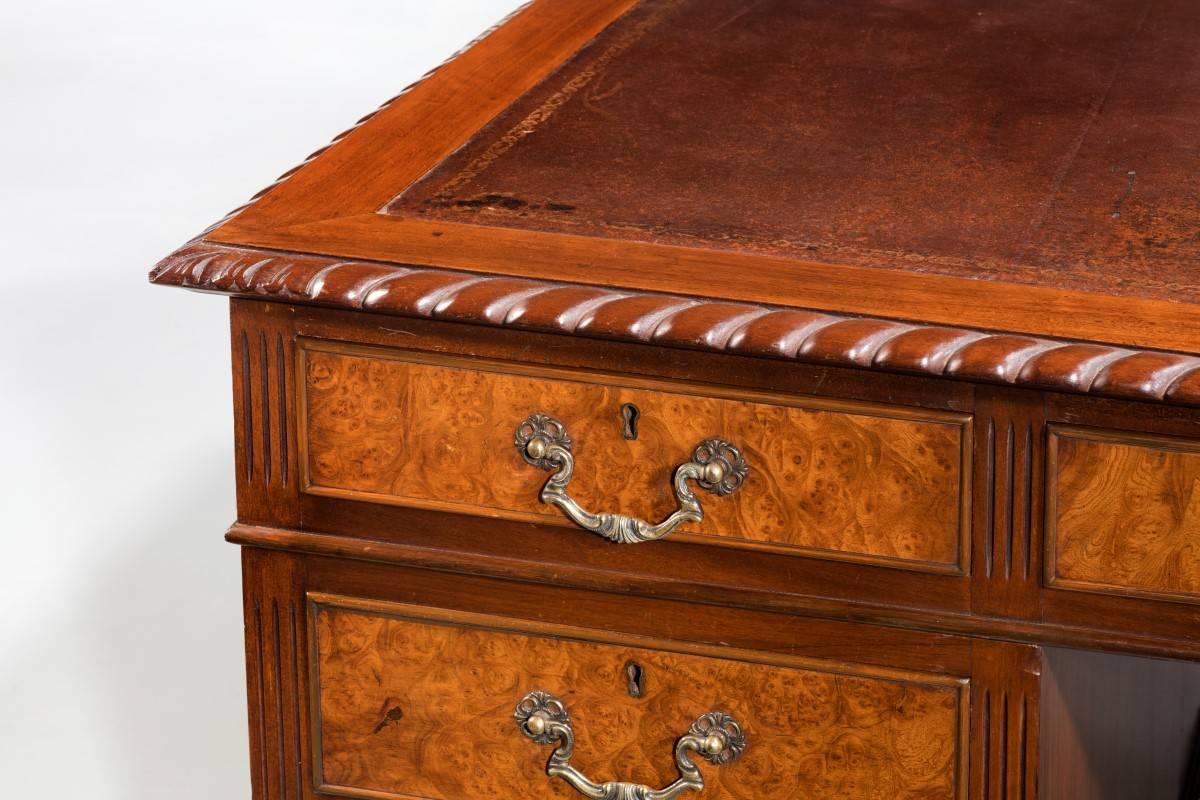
[(635, 677), (629, 420)]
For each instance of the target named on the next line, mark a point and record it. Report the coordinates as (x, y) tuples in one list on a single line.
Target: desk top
[(992, 167)]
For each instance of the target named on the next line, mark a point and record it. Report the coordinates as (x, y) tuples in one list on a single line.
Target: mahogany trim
[(960, 566), (1005, 687), (768, 331), (737, 277), (428, 119), (597, 579), (1057, 431)]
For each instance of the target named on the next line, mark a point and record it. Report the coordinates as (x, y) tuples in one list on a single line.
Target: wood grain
[(414, 707), (839, 479), (1124, 513)]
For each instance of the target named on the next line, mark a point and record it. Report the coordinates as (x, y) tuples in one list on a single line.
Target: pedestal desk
[(757, 400)]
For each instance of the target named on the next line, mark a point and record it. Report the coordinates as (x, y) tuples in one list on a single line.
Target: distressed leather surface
[(1053, 143)]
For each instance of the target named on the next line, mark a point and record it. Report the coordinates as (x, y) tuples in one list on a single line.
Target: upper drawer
[(1123, 513), (845, 480)]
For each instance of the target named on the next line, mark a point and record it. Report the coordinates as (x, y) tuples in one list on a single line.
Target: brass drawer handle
[(716, 466), (715, 736)]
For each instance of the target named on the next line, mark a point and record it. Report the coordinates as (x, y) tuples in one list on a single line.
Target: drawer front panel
[(1124, 513), (844, 480), (415, 703)]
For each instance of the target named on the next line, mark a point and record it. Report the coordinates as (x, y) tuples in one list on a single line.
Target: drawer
[(836, 479), (418, 702), (1123, 513)]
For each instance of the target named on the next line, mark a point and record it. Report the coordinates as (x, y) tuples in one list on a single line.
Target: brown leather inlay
[(1042, 143)]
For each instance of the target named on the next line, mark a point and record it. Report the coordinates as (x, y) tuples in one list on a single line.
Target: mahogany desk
[(757, 400)]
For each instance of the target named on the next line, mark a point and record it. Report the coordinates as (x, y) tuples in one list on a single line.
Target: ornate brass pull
[(715, 736), (716, 466)]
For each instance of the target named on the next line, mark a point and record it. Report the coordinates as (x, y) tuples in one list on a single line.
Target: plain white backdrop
[(126, 128)]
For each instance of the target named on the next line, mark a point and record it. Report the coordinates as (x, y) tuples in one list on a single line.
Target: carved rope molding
[(742, 328)]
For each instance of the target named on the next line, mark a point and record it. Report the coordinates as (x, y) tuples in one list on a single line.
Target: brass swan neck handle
[(716, 737), (716, 466)]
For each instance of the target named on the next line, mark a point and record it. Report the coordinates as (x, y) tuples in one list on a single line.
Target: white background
[(126, 128)]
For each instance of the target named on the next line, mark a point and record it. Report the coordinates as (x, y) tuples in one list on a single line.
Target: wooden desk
[(887, 311)]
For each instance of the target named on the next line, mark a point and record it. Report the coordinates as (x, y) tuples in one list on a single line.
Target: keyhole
[(629, 415), (636, 677), (391, 716)]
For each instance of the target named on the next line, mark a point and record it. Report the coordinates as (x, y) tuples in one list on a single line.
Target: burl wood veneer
[(418, 704), (932, 265), (1125, 513), (434, 431)]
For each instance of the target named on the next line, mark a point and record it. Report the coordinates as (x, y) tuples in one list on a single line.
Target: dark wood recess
[(1117, 727)]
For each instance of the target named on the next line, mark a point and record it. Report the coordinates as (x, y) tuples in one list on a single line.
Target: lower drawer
[(382, 680), (418, 702)]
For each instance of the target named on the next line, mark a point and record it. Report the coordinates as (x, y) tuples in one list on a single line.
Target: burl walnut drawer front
[(846, 480), (1123, 513), (433, 704)]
